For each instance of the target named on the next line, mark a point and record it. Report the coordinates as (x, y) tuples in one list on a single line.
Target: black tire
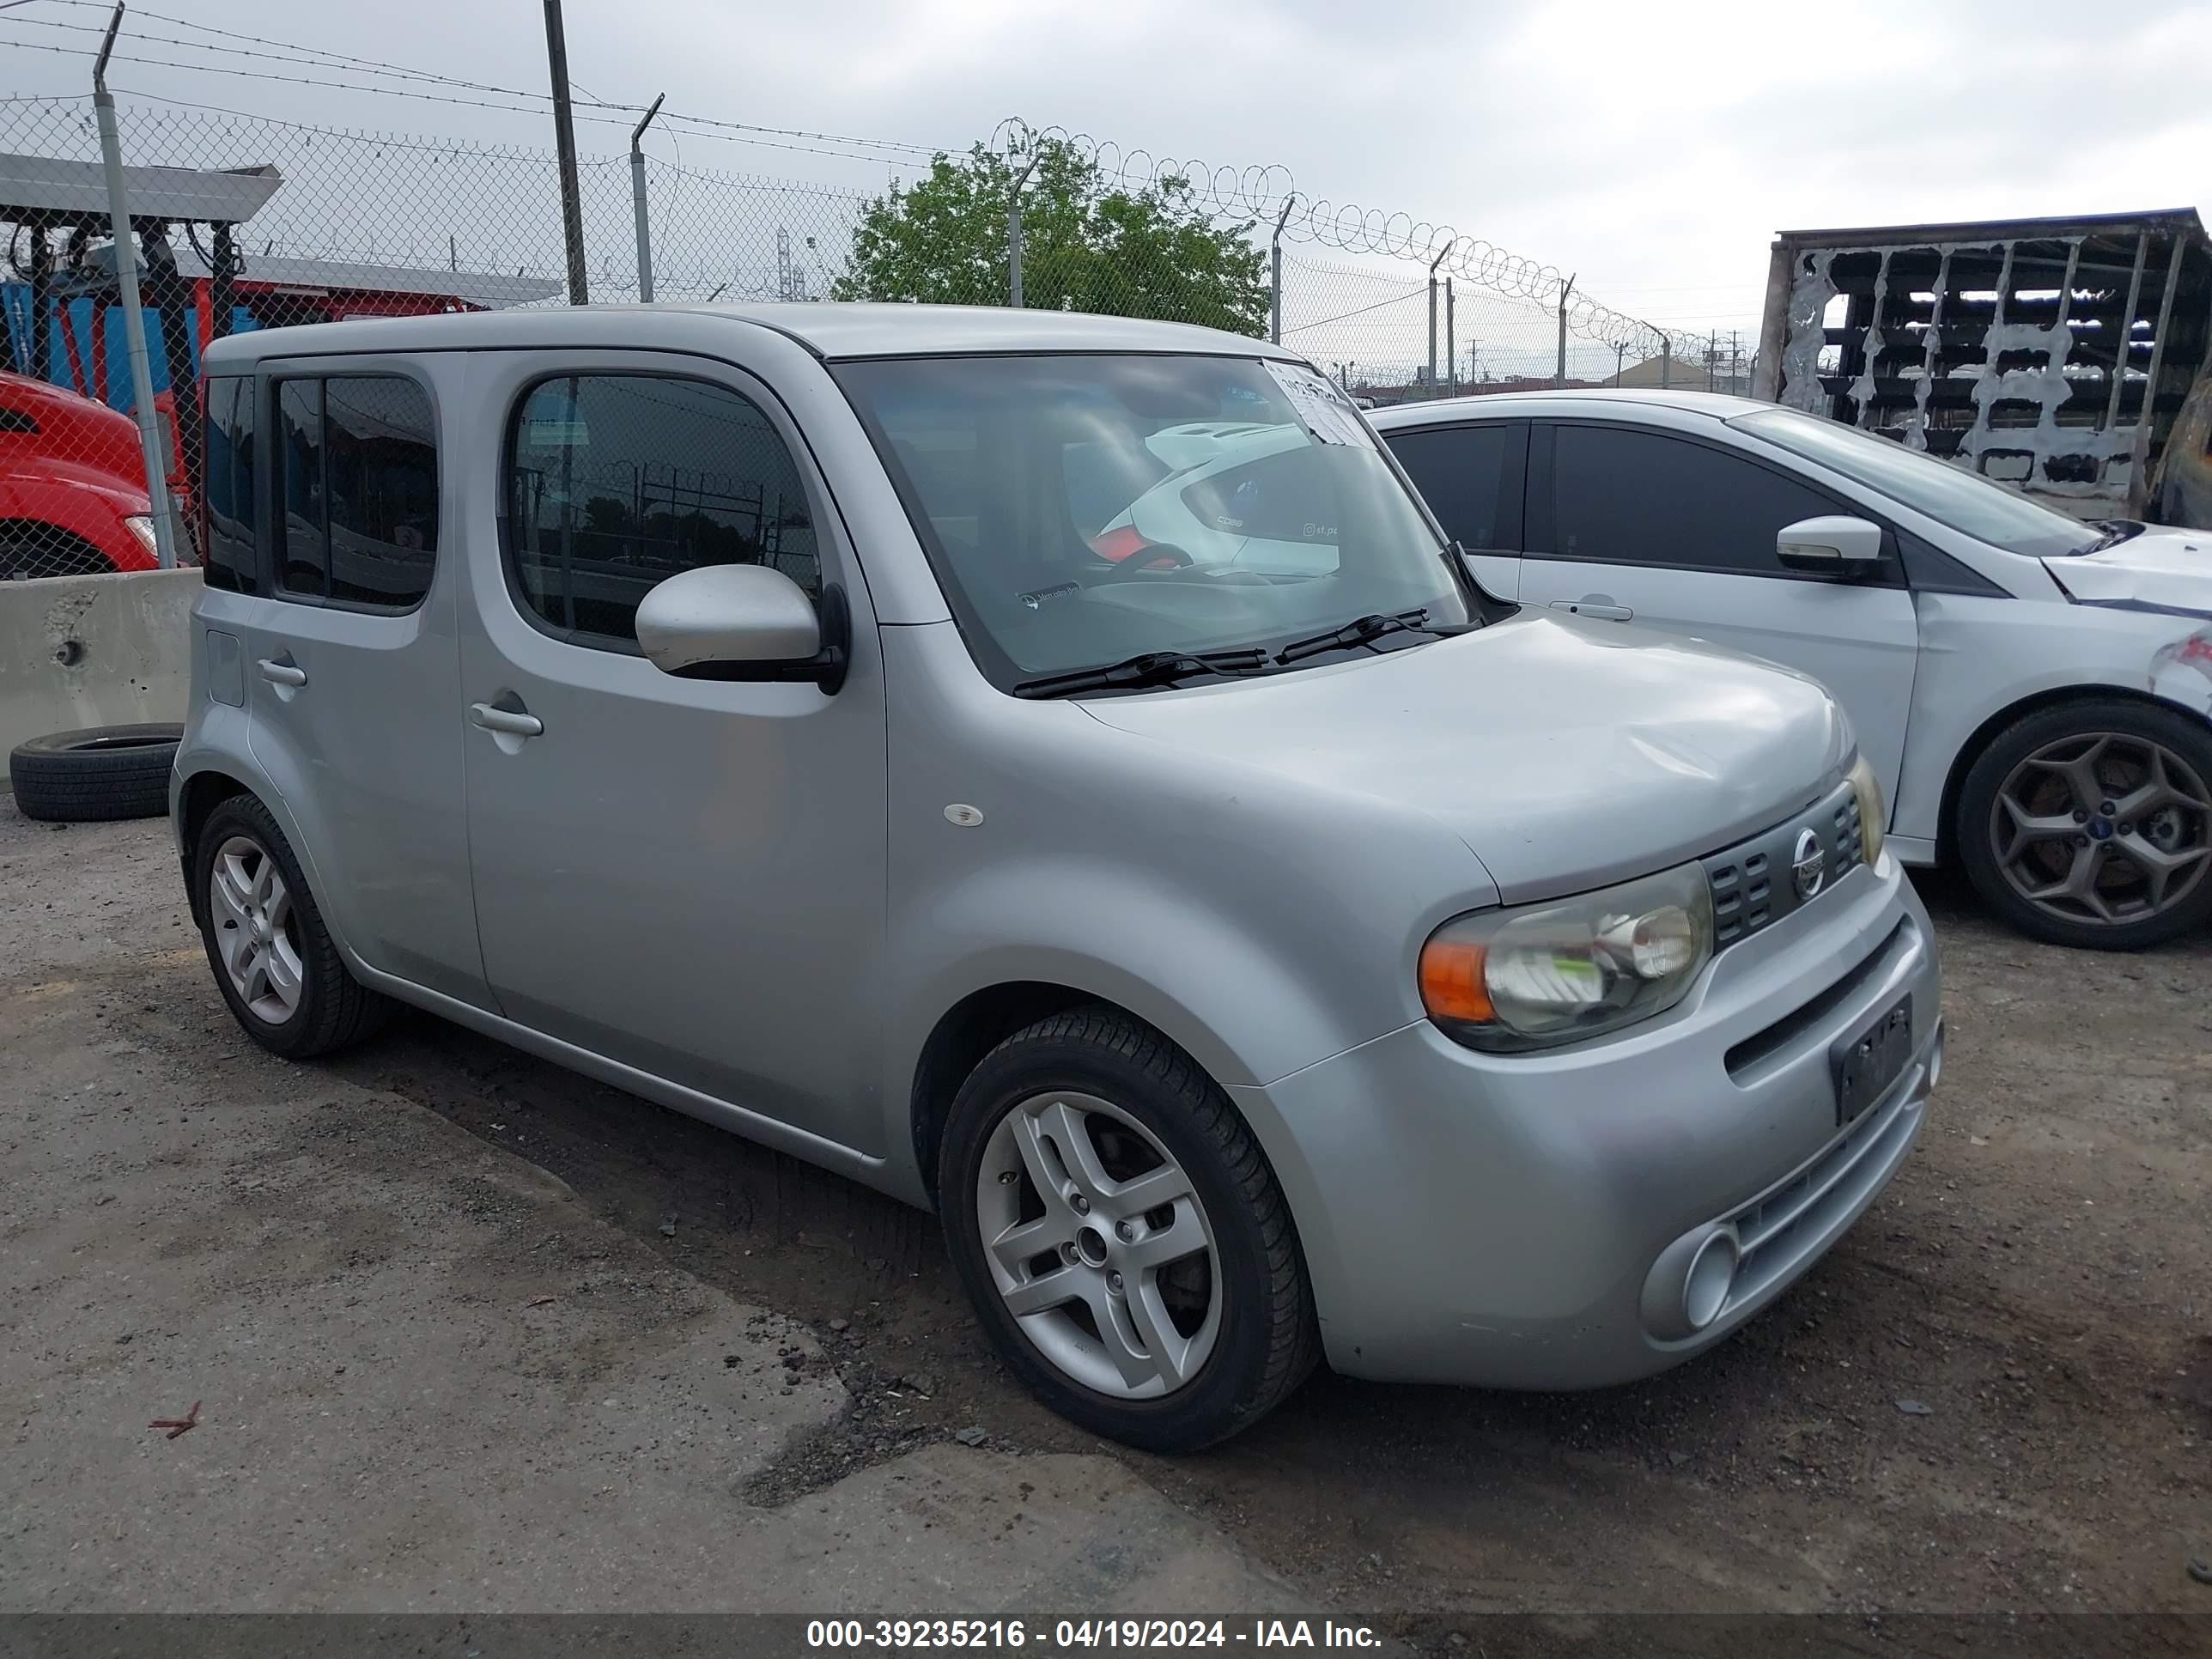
[(335, 1009), (2188, 740), (104, 772), (1268, 1338)]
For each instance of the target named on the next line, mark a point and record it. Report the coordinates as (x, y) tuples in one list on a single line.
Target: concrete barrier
[(78, 651)]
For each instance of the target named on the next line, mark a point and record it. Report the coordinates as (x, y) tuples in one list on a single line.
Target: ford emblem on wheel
[(1808, 864)]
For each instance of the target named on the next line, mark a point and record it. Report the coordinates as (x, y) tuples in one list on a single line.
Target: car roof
[(1499, 405), (835, 331)]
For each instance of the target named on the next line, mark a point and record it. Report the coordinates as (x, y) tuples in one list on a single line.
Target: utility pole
[(1560, 378), (565, 143)]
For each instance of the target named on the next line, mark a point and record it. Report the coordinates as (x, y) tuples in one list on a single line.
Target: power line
[(1395, 299), (741, 134), (314, 58), (284, 51)]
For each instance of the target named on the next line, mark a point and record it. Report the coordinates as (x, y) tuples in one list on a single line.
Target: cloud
[(1653, 149)]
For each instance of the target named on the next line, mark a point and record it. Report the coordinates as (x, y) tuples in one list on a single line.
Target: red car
[(72, 485)]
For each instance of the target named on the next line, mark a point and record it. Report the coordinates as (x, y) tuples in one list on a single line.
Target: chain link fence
[(337, 224)]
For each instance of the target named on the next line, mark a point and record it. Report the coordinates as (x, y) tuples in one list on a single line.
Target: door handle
[(283, 673), (511, 721), (1584, 608)]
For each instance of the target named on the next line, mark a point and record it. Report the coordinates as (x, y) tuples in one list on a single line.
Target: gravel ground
[(1995, 1395)]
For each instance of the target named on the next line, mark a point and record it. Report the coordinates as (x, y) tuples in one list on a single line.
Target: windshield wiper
[(2115, 531), (1359, 631), (1146, 668)]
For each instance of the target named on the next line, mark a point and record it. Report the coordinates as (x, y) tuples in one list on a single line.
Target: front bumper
[(1502, 1220)]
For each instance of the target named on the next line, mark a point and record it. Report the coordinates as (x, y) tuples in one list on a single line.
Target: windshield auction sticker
[(1321, 404)]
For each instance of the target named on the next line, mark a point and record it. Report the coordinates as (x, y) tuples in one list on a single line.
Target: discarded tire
[(102, 773)]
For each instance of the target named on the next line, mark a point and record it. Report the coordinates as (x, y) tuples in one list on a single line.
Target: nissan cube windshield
[(1105, 522)]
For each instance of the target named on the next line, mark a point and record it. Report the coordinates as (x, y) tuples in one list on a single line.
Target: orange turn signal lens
[(1452, 984)]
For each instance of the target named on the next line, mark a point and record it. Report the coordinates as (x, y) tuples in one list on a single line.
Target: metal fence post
[(637, 201), (134, 321), (1560, 377), (1014, 232), (1666, 361), (1451, 343), (1275, 272), (1433, 264)]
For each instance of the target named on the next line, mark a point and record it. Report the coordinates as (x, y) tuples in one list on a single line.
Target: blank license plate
[(1866, 1062)]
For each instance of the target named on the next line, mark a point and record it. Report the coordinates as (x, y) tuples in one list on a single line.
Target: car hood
[(2156, 570), (1566, 754)]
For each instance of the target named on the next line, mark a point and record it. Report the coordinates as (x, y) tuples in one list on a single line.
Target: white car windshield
[(1083, 510), (1951, 495)]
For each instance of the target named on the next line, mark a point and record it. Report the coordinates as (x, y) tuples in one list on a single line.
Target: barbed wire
[(1259, 194)]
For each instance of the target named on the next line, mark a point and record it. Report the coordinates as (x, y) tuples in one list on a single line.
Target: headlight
[(1557, 972), (142, 531), (1873, 815)]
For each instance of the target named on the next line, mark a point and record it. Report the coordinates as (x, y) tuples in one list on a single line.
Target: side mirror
[(1832, 545), (743, 621)]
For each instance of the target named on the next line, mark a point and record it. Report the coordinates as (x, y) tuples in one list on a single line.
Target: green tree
[(1087, 244)]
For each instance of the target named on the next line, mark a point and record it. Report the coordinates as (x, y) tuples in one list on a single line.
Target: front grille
[(1755, 884)]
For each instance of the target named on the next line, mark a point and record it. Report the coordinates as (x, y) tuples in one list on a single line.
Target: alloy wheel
[(256, 932), (2103, 828), (1096, 1240)]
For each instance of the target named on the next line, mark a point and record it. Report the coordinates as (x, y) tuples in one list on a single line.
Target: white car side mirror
[(1831, 545)]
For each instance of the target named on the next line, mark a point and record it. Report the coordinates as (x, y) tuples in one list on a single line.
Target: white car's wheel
[(2090, 824)]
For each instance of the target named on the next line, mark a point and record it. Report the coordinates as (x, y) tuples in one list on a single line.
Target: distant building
[(1680, 376)]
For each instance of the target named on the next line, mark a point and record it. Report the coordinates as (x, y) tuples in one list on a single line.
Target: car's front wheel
[(274, 960), (1125, 1241), (2090, 824)]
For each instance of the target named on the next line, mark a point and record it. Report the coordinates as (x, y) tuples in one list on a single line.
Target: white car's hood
[(2155, 569)]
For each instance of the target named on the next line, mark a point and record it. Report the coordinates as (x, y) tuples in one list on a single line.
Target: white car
[(2034, 693), (1237, 495)]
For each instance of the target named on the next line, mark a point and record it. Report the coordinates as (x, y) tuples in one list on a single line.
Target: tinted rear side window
[(232, 561), (382, 457), (357, 460), (302, 537), (1624, 497), (616, 483), (1470, 475)]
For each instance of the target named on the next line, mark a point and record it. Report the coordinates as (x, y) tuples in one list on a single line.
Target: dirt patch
[(1995, 1395)]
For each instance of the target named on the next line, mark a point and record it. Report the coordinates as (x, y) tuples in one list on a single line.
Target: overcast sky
[(1653, 149)]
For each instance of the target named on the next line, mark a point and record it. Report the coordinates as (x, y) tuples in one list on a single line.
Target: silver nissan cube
[(1051, 769)]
